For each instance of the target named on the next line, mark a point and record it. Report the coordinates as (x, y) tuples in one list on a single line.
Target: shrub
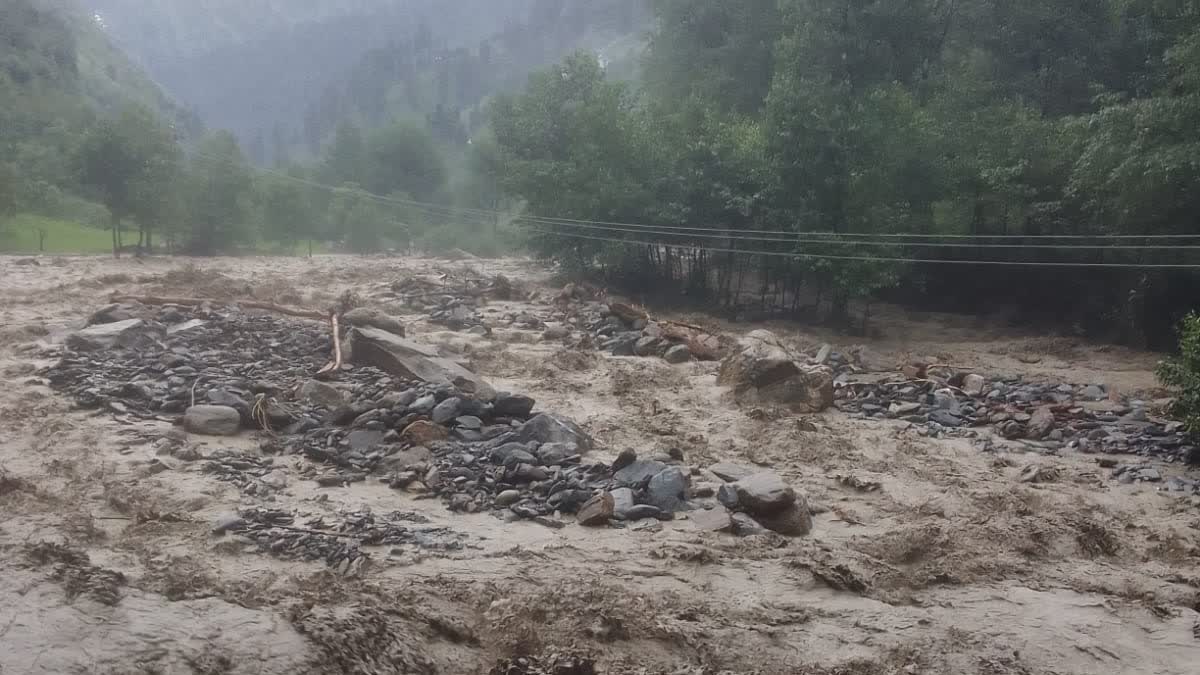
[(1182, 373)]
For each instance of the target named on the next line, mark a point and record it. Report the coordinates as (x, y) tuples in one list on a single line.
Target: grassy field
[(20, 235)]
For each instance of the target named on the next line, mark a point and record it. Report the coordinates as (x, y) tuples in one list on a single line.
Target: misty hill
[(445, 84), (246, 66)]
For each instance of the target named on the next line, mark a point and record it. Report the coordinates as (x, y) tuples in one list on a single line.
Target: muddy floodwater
[(972, 546)]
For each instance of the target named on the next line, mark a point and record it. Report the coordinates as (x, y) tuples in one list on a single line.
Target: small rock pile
[(623, 331), (1046, 416), (335, 542)]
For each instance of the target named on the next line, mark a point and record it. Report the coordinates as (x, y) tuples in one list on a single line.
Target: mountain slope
[(247, 66)]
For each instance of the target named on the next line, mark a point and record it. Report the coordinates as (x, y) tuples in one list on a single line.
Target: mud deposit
[(131, 546)]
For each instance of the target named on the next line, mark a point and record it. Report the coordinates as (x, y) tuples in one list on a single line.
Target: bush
[(1182, 373)]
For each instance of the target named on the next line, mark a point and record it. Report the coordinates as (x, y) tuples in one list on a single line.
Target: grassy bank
[(20, 234)]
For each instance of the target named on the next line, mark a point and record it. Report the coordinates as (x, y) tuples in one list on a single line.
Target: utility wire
[(826, 238), (815, 256)]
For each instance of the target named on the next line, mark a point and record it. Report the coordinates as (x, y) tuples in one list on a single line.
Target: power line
[(910, 244), (824, 238), (815, 256)]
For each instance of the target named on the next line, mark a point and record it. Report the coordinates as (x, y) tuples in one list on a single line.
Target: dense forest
[(972, 117), (768, 157)]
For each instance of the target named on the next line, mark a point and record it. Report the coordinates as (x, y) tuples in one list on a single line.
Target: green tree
[(404, 158), (345, 159), (130, 163), (219, 197), (289, 215)]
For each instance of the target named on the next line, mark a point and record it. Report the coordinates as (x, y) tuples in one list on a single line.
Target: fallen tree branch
[(195, 302)]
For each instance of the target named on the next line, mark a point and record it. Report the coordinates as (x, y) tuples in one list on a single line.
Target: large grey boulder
[(399, 357), (764, 372), (547, 428), (762, 494), (212, 420), (322, 394), (368, 317), (667, 490), (127, 333)]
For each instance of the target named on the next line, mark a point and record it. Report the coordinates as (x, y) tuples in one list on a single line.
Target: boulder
[(447, 410), (321, 394), (973, 385), (512, 405), (712, 520), (597, 511), (639, 471), (403, 358), (1040, 423), (647, 345), (555, 331), (368, 317), (745, 526), (793, 521), (764, 372), (623, 501), (423, 432), (730, 472), (547, 428), (129, 333), (667, 490), (763, 494), (212, 420), (681, 354)]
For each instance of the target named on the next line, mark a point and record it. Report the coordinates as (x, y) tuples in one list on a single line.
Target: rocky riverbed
[(494, 481)]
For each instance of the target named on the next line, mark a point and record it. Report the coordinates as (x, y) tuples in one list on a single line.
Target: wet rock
[(555, 331), (793, 521), (639, 471), (640, 511), (647, 345), (128, 333), (343, 415), (730, 472), (212, 420), (623, 501), (406, 359), (681, 354), (512, 405), (973, 385), (547, 428), (551, 454), (712, 520), (945, 418), (667, 489), (763, 494), (368, 317), (231, 400), (363, 439), (624, 459), (508, 498), (597, 511), (448, 410), (320, 394), (424, 432), (745, 526), (764, 373), (423, 405), (1040, 423), (727, 495), (469, 422)]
